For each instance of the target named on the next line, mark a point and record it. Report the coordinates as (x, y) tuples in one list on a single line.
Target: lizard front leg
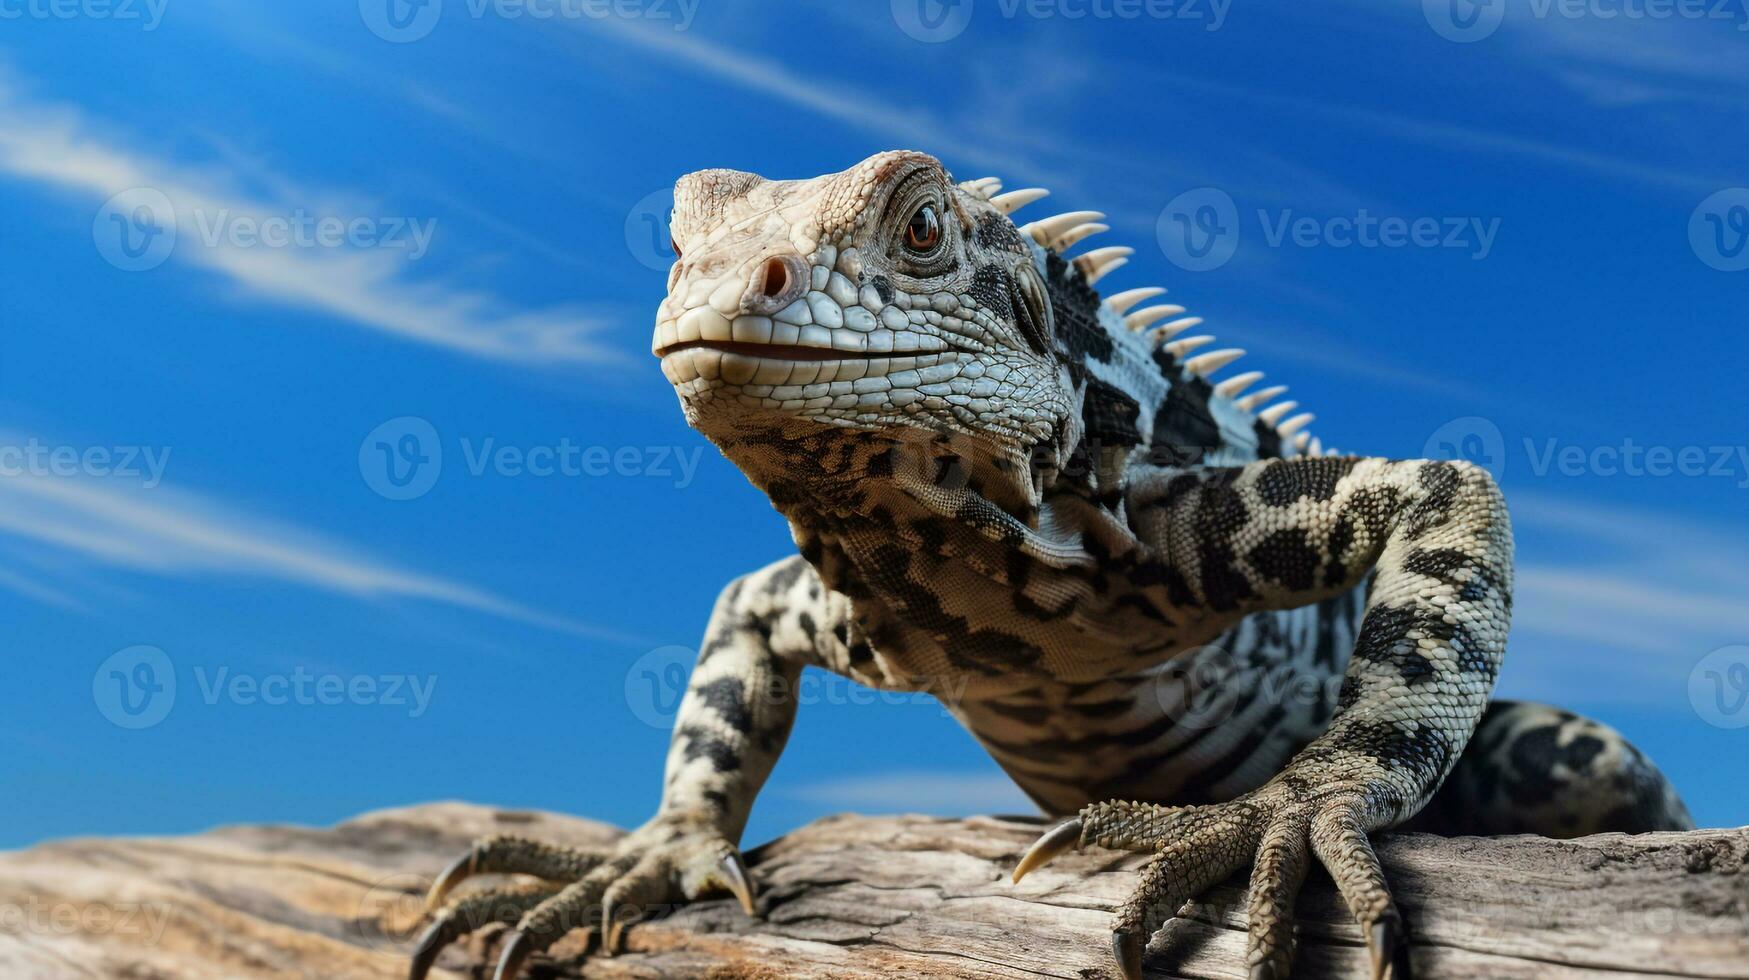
[(1284, 533), (733, 721)]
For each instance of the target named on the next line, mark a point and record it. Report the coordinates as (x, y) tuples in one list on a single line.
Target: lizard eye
[(923, 232)]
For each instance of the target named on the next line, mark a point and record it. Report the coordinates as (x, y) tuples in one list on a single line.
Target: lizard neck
[(917, 522)]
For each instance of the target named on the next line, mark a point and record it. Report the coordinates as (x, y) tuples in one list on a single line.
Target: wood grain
[(857, 897)]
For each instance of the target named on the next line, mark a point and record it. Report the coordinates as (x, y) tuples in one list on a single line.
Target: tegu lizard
[(1169, 614)]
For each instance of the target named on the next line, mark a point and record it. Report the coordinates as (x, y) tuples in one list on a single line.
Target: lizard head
[(850, 313)]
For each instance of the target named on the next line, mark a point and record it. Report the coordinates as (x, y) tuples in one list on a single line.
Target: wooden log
[(857, 897)]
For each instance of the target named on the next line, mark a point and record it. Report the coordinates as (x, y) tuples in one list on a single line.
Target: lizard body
[(1153, 598)]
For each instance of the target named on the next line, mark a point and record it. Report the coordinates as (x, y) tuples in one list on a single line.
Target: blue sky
[(206, 440)]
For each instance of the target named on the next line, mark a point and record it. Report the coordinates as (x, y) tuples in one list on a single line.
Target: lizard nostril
[(774, 284), (776, 278)]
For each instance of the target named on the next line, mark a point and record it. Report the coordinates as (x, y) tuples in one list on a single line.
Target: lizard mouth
[(743, 363), (776, 352)]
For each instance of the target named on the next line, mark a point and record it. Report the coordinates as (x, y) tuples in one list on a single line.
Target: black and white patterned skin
[(1154, 600)]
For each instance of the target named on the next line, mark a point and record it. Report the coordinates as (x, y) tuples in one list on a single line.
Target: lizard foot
[(662, 862), (1275, 830)]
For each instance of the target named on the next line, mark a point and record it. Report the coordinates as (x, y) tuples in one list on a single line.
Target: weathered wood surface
[(876, 897)]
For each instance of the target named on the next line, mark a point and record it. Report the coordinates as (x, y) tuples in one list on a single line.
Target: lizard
[(1166, 611)]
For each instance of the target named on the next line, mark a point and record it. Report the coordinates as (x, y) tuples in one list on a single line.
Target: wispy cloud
[(916, 127), (944, 793), (1337, 358), (1455, 135), (1656, 593), (374, 288), (995, 128), (119, 524), (25, 586), (1688, 56)]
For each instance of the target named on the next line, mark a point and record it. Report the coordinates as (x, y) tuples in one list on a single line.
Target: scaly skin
[(1153, 598)]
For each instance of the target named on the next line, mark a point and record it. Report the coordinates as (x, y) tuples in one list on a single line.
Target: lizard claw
[(1382, 943), (517, 949), (505, 904), (1054, 842), (430, 945), (458, 871), (1126, 948), (734, 875), (1265, 971), (610, 930)]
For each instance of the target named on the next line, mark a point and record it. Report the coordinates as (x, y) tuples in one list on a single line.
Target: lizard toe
[(1276, 831), (475, 911), (1340, 841), (513, 855)]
